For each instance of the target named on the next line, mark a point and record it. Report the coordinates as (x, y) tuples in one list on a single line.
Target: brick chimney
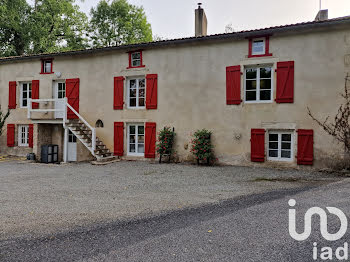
[(201, 22), (322, 15)]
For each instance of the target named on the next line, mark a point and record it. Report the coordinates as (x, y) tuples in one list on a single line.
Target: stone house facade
[(250, 88)]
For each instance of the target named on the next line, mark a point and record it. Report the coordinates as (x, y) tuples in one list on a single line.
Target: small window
[(26, 93), (280, 147), (23, 135), (46, 66), (135, 59), (61, 90), (71, 137), (258, 84), (136, 139), (136, 93), (258, 47)]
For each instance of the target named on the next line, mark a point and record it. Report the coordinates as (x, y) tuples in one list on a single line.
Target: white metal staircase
[(79, 127)]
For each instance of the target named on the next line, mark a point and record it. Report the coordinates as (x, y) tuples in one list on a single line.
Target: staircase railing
[(93, 130), (64, 110)]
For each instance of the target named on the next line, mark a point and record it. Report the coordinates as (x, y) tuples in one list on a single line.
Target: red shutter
[(151, 91), (233, 85), (305, 147), (150, 140), (285, 82), (31, 135), (12, 95), (35, 93), (118, 93), (10, 135), (72, 94), (258, 145), (118, 138)]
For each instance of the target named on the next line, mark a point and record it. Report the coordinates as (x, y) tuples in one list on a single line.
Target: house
[(250, 88)]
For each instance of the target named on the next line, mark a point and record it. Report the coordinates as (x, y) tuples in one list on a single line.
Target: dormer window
[(259, 47), (135, 59), (46, 66)]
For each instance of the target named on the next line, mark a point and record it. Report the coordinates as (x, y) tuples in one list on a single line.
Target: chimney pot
[(322, 15)]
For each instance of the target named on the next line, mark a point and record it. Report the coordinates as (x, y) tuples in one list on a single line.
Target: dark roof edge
[(189, 40)]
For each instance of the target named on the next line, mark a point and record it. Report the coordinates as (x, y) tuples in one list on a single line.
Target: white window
[(280, 146), (258, 84), (258, 47), (61, 90), (136, 59), (23, 135), (136, 93), (26, 93), (136, 139)]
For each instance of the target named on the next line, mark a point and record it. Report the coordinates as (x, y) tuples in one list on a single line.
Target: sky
[(175, 19)]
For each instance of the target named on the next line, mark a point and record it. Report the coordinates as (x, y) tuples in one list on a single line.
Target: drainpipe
[(65, 149)]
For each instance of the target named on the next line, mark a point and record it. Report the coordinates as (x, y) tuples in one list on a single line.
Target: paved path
[(249, 228)]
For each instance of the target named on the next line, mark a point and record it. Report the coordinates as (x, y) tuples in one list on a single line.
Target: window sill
[(258, 102), (136, 155), (280, 160), (252, 56), (133, 67), (47, 73), (136, 108)]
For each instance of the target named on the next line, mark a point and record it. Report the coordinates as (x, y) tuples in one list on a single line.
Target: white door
[(59, 95), (72, 147)]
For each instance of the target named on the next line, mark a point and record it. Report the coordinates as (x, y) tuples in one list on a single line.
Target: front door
[(59, 95), (72, 147)]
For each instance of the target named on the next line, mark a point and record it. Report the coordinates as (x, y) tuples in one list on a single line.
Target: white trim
[(136, 138), (137, 78), (25, 134), (29, 85), (258, 101), (280, 133), (264, 45)]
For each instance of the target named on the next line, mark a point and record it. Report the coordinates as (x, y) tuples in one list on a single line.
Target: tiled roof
[(299, 27)]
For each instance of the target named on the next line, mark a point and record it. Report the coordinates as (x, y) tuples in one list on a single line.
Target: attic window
[(135, 59), (46, 66), (259, 47)]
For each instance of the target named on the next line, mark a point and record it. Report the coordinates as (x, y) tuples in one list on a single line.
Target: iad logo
[(341, 253)]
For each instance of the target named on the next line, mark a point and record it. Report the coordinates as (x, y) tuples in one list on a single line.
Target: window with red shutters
[(118, 138), (31, 135), (151, 91), (118, 103), (35, 93), (305, 154), (72, 94), (257, 145), (150, 140), (285, 82), (12, 95), (233, 85), (10, 135)]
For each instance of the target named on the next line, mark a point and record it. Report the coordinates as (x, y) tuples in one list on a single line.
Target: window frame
[(43, 61), (128, 125), (22, 91), (266, 46), (292, 144), (130, 59), (258, 101), (26, 135), (137, 78)]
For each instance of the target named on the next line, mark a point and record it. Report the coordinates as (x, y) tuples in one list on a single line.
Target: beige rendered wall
[(192, 90)]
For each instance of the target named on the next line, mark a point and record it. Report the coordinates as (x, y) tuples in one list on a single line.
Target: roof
[(299, 27)]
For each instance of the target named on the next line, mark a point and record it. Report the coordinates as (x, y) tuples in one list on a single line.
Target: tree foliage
[(118, 22), (339, 128)]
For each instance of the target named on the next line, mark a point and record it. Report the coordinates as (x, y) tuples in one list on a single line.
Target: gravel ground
[(37, 200)]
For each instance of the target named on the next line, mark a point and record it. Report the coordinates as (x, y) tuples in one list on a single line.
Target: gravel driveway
[(37, 199)]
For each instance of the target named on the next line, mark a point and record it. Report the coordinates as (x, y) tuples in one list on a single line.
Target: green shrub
[(201, 146), (165, 141)]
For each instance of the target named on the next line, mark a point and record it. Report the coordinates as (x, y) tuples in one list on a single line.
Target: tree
[(2, 120), (118, 22), (339, 128), (48, 26), (58, 25), (14, 27)]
